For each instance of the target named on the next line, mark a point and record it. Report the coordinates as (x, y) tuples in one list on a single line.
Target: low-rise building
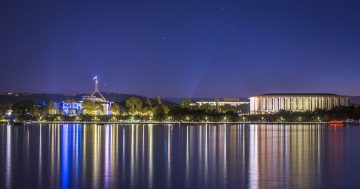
[(76, 108), (221, 102), (71, 108), (296, 102)]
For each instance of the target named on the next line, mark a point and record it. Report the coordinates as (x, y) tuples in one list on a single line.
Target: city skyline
[(177, 49)]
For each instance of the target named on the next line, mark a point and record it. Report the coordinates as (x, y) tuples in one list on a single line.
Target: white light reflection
[(287, 147), (40, 155), (84, 151), (253, 158), (150, 158), (96, 154), (143, 146), (168, 180), (114, 149), (107, 156), (123, 155), (225, 156), (8, 157), (187, 163), (132, 158), (206, 154)]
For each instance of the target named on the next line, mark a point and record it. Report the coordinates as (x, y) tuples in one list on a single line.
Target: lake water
[(179, 156)]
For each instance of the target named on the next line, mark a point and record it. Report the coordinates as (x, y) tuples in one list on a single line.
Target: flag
[(95, 78)]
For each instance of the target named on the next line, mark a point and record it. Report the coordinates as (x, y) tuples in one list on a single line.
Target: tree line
[(146, 109)]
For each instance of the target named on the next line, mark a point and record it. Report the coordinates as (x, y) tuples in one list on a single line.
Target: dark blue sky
[(181, 48)]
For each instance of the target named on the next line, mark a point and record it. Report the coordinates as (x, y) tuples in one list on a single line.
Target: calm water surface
[(179, 156)]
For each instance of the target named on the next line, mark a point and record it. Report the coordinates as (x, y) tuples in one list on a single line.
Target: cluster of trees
[(135, 108), (27, 110), (92, 108), (147, 109), (207, 112), (4, 108)]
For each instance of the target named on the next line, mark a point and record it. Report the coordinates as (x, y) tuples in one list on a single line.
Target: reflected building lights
[(52, 154), (123, 168), (27, 148), (187, 161), (225, 157), (107, 157), (253, 158), (8, 158), (168, 165), (143, 146), (213, 148), (137, 156), (84, 150), (206, 167), (65, 172), (132, 158), (150, 156), (96, 154), (78, 151), (114, 151), (199, 166), (40, 156)]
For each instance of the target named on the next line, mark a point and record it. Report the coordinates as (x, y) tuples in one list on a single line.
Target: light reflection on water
[(178, 156)]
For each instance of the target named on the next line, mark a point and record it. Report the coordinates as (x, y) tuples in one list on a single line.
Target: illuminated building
[(71, 108), (101, 99), (295, 102), (75, 108), (224, 101)]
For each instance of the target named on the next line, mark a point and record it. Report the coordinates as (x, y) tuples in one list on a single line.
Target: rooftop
[(298, 94)]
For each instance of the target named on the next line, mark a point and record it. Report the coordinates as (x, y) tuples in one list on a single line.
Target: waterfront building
[(75, 108), (295, 102), (100, 99), (71, 108), (222, 102)]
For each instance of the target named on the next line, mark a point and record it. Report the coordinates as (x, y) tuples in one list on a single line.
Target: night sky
[(181, 48)]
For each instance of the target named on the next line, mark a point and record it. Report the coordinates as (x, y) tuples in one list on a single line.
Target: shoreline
[(166, 122)]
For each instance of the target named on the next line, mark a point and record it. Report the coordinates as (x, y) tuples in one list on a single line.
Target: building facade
[(274, 102), (76, 108), (222, 102), (71, 108)]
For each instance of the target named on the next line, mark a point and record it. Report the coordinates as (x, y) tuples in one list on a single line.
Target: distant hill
[(114, 97), (39, 98)]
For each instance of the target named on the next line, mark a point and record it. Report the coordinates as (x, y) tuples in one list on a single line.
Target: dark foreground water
[(174, 156)]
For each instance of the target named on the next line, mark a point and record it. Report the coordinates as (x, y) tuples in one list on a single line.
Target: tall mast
[(97, 88), (96, 84)]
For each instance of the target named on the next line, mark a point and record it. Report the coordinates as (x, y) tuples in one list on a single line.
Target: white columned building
[(296, 102)]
